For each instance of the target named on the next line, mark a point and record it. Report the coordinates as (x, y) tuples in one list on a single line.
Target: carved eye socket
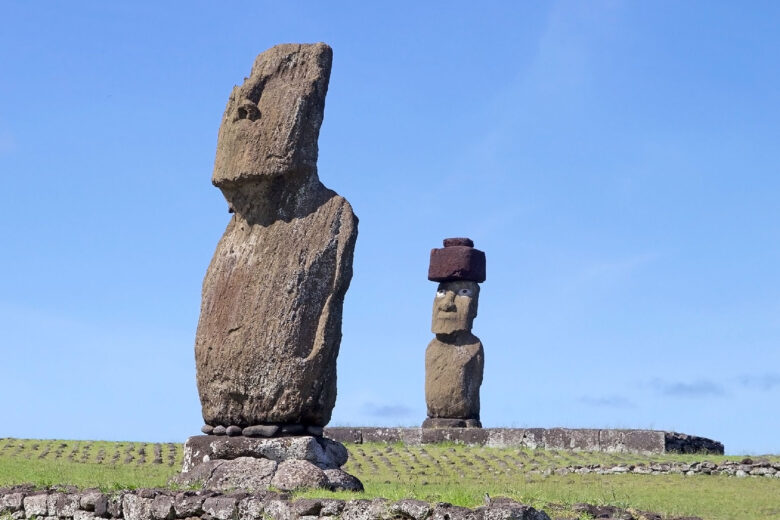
[(440, 293), (464, 292)]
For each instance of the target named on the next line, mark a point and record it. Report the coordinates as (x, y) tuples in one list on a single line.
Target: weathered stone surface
[(84, 515), (365, 509), (270, 322), (340, 480), (162, 508), (453, 375), (318, 450), (442, 422), (11, 503), (220, 507), (472, 436), (188, 503), (272, 122), (510, 511), (345, 434), (135, 507), (245, 473), (36, 505), (298, 474), (457, 260), (62, 504), (632, 441), (260, 430), (409, 508)]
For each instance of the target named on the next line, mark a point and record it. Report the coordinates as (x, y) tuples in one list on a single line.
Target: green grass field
[(446, 473)]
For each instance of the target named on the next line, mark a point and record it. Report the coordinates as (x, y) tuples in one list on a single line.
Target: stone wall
[(614, 441), (25, 502)]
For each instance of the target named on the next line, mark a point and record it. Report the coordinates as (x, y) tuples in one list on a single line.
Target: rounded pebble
[(207, 429), (218, 430), (233, 431)]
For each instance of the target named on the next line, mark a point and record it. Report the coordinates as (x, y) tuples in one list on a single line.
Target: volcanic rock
[(270, 322), (453, 375)]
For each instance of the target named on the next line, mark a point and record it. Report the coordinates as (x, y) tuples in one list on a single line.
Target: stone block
[(188, 503), (346, 435), (84, 515), (61, 504), (476, 436), (11, 503), (136, 508), (389, 435), (251, 508), (162, 508), (317, 450), (221, 507), (36, 505)]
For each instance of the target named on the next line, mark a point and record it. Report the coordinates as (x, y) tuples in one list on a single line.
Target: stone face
[(454, 308), (270, 322), (453, 375), (272, 121)]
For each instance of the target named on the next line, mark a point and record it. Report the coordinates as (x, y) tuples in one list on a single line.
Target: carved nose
[(448, 302)]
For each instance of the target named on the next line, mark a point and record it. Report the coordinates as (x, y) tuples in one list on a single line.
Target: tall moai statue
[(270, 320), (454, 359)]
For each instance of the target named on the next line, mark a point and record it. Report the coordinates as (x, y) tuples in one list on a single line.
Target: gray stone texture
[(270, 322), (627, 441), (320, 451), (298, 474)]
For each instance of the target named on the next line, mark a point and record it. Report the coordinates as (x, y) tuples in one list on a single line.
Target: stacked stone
[(270, 322), (454, 359), (22, 502)]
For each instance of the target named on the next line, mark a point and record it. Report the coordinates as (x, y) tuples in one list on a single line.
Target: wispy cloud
[(763, 382), (694, 389), (610, 401), (389, 411)]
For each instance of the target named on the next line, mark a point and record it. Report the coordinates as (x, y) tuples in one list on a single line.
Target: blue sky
[(617, 162)]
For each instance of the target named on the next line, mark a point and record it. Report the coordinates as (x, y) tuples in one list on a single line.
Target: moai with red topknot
[(454, 359)]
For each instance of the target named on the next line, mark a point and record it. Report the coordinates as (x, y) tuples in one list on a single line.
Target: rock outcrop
[(270, 321)]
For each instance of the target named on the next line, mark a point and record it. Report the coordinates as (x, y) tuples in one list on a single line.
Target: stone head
[(272, 122), (455, 307)]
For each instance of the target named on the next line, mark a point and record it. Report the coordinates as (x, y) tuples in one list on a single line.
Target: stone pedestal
[(221, 463)]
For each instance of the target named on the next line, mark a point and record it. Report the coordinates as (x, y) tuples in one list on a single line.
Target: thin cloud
[(611, 401), (763, 382), (695, 389), (389, 411)]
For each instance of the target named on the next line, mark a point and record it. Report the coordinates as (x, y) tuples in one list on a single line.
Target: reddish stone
[(457, 260)]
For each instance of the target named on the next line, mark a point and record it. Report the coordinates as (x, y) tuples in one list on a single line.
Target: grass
[(437, 473)]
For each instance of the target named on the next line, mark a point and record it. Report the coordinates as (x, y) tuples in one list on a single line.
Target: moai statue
[(270, 321), (454, 360)]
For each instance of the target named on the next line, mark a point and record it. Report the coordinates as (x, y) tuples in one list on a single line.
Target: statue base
[(447, 422), (221, 463)]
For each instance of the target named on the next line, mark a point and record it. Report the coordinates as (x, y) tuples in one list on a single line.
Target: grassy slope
[(447, 473)]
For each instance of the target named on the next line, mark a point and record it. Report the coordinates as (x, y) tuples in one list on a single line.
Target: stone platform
[(607, 440)]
